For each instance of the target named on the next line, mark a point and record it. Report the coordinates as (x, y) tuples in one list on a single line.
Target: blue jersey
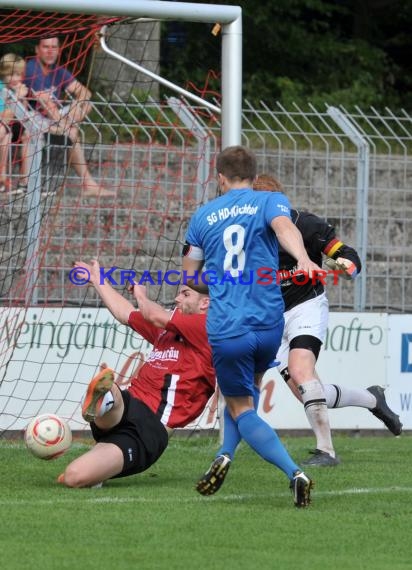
[(240, 251), (54, 81)]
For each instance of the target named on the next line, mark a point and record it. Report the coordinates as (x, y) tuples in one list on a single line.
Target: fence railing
[(352, 167)]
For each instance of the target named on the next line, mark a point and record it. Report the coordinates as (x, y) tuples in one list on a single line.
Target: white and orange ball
[(47, 436)]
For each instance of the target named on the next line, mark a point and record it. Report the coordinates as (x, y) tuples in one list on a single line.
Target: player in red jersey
[(131, 427)]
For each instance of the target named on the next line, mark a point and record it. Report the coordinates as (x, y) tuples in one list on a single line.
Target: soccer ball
[(48, 436)]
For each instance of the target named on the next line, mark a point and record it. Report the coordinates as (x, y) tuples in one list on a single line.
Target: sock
[(342, 397), (106, 404), (313, 398), (265, 441), (231, 435)]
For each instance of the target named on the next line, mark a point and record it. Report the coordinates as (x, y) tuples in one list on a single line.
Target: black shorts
[(16, 131), (58, 140), (140, 435)]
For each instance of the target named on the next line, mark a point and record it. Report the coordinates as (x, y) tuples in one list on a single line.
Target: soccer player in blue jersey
[(306, 317), (236, 237)]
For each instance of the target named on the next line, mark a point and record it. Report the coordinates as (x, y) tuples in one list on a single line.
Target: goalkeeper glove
[(347, 267)]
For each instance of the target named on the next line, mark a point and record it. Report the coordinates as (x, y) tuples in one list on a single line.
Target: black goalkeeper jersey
[(319, 238)]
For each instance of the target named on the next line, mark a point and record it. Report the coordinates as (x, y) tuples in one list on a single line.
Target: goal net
[(119, 184)]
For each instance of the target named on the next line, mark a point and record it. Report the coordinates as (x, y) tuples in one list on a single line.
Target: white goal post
[(229, 17), (156, 156)]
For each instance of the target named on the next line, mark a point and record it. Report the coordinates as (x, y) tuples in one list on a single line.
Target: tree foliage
[(349, 52)]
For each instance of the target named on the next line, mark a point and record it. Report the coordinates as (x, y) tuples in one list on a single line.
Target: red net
[(151, 162), (23, 25)]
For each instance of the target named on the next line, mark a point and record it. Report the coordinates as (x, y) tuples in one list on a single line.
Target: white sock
[(106, 405), (342, 397), (314, 400)]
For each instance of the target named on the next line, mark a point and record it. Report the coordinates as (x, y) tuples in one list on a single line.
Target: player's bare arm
[(116, 303), (291, 240), (151, 311)]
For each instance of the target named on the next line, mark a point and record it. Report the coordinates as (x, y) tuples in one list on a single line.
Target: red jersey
[(178, 377)]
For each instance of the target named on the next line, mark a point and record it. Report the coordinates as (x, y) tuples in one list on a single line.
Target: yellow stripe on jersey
[(332, 247)]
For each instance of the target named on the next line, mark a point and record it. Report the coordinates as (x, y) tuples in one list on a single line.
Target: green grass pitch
[(360, 517)]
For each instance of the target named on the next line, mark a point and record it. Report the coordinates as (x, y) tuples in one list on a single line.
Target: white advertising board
[(399, 367), (59, 350), (353, 355)]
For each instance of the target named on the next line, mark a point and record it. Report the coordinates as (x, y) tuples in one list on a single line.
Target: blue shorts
[(238, 359)]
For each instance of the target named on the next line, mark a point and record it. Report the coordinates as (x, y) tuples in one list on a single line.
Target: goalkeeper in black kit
[(306, 320)]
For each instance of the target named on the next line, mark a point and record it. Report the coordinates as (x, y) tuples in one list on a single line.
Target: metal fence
[(355, 169), (352, 167)]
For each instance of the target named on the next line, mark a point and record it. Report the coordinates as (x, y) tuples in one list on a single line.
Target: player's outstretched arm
[(291, 240), (151, 311), (116, 303)]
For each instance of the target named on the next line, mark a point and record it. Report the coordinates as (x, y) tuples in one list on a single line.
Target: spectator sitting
[(12, 94), (46, 81)]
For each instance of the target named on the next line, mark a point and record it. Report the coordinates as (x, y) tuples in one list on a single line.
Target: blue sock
[(231, 435), (265, 441)]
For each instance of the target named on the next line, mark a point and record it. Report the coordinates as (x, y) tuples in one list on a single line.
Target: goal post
[(156, 155), (229, 17)]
